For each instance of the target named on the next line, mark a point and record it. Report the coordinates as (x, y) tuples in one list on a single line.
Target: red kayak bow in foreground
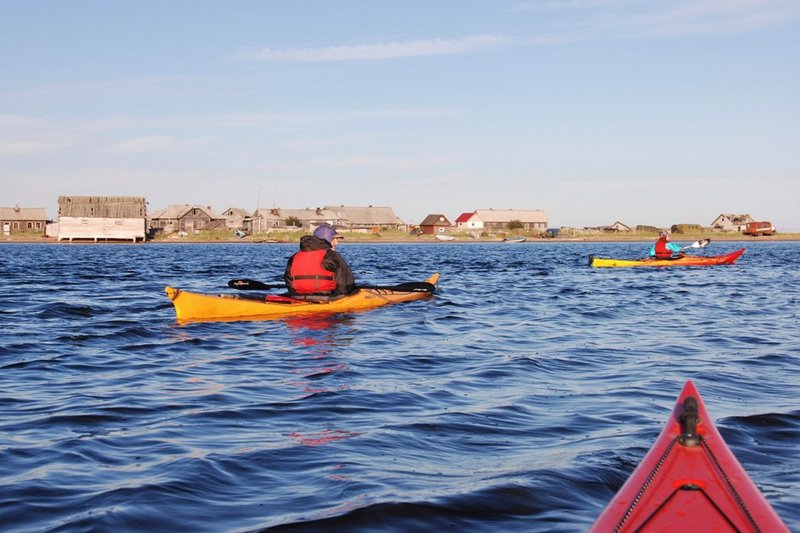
[(689, 481)]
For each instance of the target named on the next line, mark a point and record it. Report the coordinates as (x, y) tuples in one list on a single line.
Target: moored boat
[(689, 481), (192, 306), (686, 260)]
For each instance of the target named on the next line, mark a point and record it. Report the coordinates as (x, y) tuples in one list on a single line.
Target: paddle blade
[(411, 286), (251, 285), (702, 243)]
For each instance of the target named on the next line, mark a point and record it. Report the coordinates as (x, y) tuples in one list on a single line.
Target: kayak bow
[(192, 306), (687, 260), (689, 481)]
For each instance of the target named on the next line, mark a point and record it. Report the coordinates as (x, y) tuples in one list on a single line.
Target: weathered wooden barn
[(236, 217), (15, 220), (188, 219), (731, 222), (263, 220), (102, 218), (617, 227), (365, 218)]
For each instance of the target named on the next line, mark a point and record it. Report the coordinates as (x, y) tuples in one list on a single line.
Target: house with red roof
[(469, 221)]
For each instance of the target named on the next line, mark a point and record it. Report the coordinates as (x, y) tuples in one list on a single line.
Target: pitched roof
[(464, 217), (236, 211), (179, 211), (23, 213), (373, 216), (435, 220), (507, 215)]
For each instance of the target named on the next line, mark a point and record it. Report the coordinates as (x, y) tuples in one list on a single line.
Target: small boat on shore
[(445, 237), (514, 240)]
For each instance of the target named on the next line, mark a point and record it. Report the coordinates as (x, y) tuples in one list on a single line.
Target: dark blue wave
[(518, 399)]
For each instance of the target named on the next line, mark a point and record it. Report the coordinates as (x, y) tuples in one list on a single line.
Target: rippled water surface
[(519, 398)]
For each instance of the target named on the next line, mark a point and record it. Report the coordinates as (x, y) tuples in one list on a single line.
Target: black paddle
[(411, 286)]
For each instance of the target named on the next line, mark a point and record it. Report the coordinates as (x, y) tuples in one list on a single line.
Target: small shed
[(434, 224), (14, 220)]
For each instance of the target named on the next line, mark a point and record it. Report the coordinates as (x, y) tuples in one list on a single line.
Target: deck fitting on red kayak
[(689, 419)]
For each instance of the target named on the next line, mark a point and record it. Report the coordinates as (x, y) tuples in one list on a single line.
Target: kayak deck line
[(689, 480), (690, 438)]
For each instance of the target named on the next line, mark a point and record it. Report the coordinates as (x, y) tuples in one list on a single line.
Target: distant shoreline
[(424, 239)]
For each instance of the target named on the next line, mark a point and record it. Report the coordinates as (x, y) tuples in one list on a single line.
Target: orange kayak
[(192, 306), (689, 481), (687, 260)]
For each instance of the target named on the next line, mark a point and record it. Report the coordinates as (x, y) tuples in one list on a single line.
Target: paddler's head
[(664, 235), (326, 232)]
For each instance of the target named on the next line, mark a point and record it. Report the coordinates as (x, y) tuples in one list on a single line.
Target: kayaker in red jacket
[(663, 248), (318, 269)]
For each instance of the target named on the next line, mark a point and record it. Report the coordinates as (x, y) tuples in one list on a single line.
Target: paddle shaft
[(255, 285)]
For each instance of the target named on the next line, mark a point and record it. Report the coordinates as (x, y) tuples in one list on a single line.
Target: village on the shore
[(126, 218)]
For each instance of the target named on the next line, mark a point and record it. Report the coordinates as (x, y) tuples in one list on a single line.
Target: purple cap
[(326, 232)]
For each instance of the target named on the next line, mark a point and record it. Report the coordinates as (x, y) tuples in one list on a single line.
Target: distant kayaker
[(664, 249), (318, 269)]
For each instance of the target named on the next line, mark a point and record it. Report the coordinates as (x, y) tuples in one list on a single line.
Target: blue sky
[(643, 111)]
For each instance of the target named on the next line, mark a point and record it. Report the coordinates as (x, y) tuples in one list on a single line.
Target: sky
[(640, 111)]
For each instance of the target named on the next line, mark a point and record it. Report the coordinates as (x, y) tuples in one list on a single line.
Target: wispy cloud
[(594, 19), (373, 51)]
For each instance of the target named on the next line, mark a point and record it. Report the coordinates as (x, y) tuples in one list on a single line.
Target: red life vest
[(307, 276), (662, 252)]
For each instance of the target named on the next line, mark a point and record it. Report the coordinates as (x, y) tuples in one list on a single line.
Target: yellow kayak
[(192, 306)]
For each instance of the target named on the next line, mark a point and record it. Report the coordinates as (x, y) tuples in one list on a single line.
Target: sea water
[(519, 398)]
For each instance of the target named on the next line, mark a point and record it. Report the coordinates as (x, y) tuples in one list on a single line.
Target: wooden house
[(102, 218), (435, 224), (263, 220), (499, 219), (15, 220), (235, 217), (731, 222), (186, 219)]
